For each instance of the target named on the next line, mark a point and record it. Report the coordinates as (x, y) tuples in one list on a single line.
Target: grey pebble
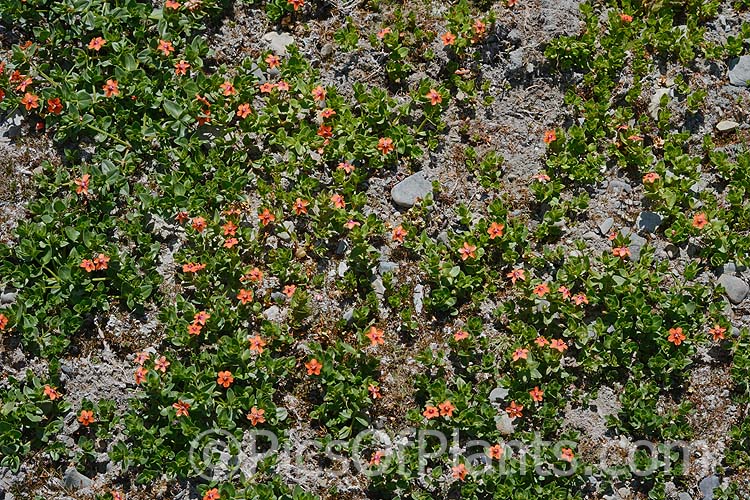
[(708, 485), (739, 71), (606, 225), (273, 313), (278, 42), (648, 221), (407, 192), (619, 186), (736, 289), (726, 125), (418, 298), (75, 480), (387, 267)]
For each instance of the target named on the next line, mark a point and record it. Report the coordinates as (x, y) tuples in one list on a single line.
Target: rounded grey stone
[(410, 190), (735, 288)]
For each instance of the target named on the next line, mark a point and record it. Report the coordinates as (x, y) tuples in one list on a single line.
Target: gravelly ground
[(528, 99)]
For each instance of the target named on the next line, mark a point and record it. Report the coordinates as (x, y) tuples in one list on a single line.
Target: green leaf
[(174, 110), (72, 233)]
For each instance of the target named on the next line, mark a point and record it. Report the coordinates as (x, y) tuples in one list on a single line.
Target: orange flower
[(622, 252), (376, 457), (495, 452), (516, 274), (255, 416), (181, 407), (140, 375), (204, 118), (181, 216), (116, 495), (319, 93), (88, 265), (82, 184), (313, 367), (51, 392), (700, 220), (542, 177), (351, 223), (192, 267), (21, 87), (346, 167), (459, 472), (651, 177), (296, 4), (467, 251), (479, 28), (325, 131), (181, 67), (717, 332), (376, 336), (327, 113), (374, 391), (101, 262), (549, 136), (212, 494), (111, 88), (54, 106), (255, 274), (230, 228), (676, 336), (97, 43), (141, 357), (567, 454), (385, 145), (165, 46), (399, 233), (266, 217), (460, 335), (536, 394), (199, 224), (86, 418), (245, 296), (431, 412), (272, 61), (2, 95), (282, 86), (225, 379), (161, 364), (448, 39), (267, 87), (227, 89), (231, 242), (580, 298), (30, 101), (381, 33), (171, 4), (541, 341), (541, 289), (559, 345), (565, 291), (434, 97), (243, 110), (495, 230), (338, 201), (626, 18), (289, 290), (446, 409), (514, 410), (520, 354), (201, 317), (257, 344)]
